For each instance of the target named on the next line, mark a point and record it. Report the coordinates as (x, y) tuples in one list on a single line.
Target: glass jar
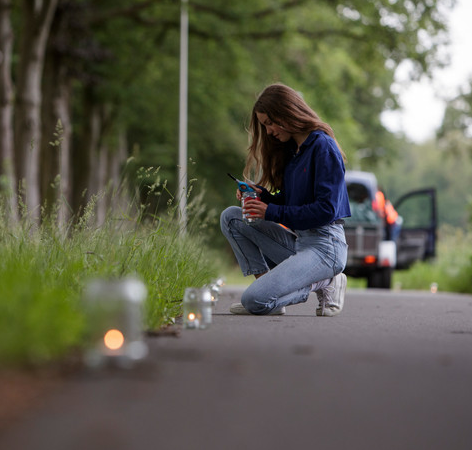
[(247, 218)]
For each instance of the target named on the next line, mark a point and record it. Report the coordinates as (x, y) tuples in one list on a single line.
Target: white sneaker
[(331, 297), (238, 308)]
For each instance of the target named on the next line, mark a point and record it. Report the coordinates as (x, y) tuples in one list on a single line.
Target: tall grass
[(43, 270)]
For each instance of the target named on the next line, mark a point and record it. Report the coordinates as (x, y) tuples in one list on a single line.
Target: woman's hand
[(254, 207), (239, 194)]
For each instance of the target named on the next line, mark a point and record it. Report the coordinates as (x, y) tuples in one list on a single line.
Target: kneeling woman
[(300, 179)]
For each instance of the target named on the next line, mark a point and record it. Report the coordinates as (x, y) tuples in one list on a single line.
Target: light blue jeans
[(311, 256)]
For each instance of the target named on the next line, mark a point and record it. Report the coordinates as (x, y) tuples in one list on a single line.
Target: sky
[(423, 102)]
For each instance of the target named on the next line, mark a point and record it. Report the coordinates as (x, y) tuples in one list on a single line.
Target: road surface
[(393, 371)]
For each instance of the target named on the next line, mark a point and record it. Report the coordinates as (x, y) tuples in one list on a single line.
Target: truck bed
[(363, 239)]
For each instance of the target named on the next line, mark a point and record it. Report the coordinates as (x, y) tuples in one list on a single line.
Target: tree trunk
[(84, 155), (38, 15), (111, 166), (100, 182), (7, 169), (62, 107), (55, 149), (56, 113), (119, 198)]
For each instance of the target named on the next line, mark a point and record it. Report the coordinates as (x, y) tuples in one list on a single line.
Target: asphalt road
[(394, 371)]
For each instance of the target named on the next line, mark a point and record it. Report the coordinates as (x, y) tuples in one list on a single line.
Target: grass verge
[(44, 269)]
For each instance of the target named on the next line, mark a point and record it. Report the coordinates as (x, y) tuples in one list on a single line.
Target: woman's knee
[(248, 301), (254, 303), (229, 214)]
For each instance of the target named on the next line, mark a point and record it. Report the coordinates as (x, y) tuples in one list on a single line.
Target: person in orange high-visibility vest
[(378, 204), (391, 215), (387, 212)]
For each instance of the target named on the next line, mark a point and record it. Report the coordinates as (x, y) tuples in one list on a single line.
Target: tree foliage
[(455, 133), (434, 165), (113, 75)]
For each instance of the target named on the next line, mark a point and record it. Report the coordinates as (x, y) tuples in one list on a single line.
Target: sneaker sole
[(328, 312)]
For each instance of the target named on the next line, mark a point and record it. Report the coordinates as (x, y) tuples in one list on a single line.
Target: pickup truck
[(371, 255)]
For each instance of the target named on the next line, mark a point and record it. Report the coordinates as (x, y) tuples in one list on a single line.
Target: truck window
[(358, 193), (361, 204), (416, 212)]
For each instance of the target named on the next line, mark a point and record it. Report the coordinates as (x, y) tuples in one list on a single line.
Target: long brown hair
[(267, 157)]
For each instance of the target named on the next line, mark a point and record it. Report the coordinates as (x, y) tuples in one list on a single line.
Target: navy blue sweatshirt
[(314, 191)]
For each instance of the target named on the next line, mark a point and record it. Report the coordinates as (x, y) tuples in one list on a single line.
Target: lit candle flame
[(114, 339), (191, 317)]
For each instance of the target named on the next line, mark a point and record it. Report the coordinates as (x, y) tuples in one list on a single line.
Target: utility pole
[(183, 113)]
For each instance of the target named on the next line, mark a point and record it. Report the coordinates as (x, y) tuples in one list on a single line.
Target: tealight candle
[(197, 307), (114, 321), (215, 289)]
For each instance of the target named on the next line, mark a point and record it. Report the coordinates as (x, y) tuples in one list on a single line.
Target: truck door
[(417, 239)]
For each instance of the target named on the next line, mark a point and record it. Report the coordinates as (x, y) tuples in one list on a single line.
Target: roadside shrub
[(452, 268)]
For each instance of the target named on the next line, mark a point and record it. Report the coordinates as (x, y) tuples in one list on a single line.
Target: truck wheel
[(380, 278)]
